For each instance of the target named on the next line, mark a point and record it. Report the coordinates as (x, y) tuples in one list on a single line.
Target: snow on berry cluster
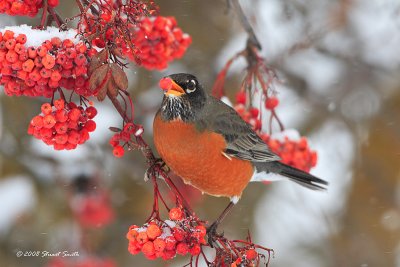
[(114, 23), (24, 7), (156, 239), (293, 149), (92, 25), (159, 41), (152, 42), (63, 126), (35, 66), (248, 257)]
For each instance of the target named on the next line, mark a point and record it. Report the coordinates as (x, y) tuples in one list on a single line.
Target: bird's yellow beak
[(171, 87)]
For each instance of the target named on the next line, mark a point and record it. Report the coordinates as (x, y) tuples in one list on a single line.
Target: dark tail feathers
[(296, 175)]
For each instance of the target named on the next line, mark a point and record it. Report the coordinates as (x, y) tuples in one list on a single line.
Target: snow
[(226, 101), (36, 37), (170, 223), (321, 72), (380, 36), (17, 197), (263, 176), (305, 217)]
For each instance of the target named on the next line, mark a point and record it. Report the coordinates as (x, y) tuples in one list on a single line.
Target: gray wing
[(242, 141)]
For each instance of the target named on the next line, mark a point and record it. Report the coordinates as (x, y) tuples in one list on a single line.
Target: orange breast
[(197, 158)]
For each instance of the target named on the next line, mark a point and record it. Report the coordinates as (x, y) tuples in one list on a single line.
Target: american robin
[(207, 144)]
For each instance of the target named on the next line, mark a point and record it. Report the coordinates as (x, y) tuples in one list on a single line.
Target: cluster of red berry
[(92, 209), (122, 138), (296, 153), (251, 115), (249, 256), (63, 126), (101, 22), (293, 152), (39, 71), (24, 7), (75, 261), (156, 239), (150, 41), (158, 41)]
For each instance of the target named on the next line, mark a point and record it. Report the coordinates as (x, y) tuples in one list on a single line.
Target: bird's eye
[(191, 86)]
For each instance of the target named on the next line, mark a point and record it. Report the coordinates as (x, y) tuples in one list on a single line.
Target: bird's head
[(184, 97)]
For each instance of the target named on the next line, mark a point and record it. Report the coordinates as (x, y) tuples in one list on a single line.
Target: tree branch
[(245, 23)]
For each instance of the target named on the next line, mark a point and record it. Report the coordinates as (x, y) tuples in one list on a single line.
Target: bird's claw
[(151, 170), (212, 234)]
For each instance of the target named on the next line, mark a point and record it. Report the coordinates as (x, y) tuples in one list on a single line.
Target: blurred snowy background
[(339, 61)]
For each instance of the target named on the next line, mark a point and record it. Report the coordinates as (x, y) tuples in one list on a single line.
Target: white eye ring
[(193, 82)]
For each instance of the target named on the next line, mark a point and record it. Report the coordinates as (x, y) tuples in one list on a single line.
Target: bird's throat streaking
[(176, 107)]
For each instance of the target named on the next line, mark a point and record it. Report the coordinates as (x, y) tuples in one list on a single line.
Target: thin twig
[(246, 24)]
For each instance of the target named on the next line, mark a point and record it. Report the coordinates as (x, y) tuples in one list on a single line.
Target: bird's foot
[(212, 234), (151, 171)]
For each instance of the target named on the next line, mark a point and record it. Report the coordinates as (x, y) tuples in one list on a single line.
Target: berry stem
[(80, 6), (44, 15), (56, 17), (218, 88), (148, 153)]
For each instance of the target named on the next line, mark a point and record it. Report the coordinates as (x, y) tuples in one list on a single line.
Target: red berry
[(8, 35), (46, 108), (91, 112), (11, 56), (195, 250), (21, 38), (176, 214), (90, 125), (271, 102), (170, 243), (73, 137), (61, 115), (254, 112), (179, 234), (142, 237), (132, 233), (182, 248), (251, 254), (37, 121), (56, 42), (49, 121), (159, 244), (118, 151), (10, 44), (53, 3), (153, 231), (168, 254), (61, 138), (61, 127), (74, 114), (41, 51), (148, 248), (48, 61), (67, 43), (241, 97), (59, 104), (165, 83), (28, 65)]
